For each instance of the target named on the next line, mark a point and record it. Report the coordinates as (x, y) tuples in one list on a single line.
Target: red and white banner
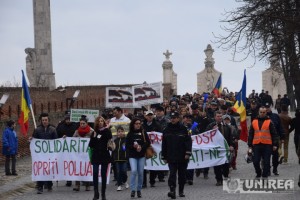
[(209, 149), (62, 159)]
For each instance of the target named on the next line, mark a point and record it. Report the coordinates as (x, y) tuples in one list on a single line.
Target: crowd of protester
[(195, 113)]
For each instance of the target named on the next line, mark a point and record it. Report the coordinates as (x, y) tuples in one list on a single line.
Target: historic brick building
[(55, 103)]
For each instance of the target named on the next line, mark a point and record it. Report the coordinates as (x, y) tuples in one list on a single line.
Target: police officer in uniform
[(176, 151)]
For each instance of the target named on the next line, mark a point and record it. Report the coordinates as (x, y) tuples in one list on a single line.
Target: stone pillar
[(42, 69), (274, 82), (207, 78), (272, 78), (169, 76)]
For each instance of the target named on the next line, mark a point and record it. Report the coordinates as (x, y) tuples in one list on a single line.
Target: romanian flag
[(240, 108), (218, 88), (25, 106)]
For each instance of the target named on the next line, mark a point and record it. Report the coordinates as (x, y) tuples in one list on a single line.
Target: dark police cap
[(160, 108), (188, 116), (174, 114)]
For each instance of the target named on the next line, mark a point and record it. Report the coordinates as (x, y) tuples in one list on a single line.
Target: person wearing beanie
[(10, 147)]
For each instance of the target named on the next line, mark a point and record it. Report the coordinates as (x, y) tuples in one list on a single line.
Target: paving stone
[(22, 188)]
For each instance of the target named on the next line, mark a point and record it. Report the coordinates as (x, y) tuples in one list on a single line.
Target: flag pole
[(33, 118)]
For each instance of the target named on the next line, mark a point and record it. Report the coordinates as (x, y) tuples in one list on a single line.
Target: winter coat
[(9, 142), (278, 103), (286, 122), (225, 130), (66, 129), (101, 154), (295, 125), (176, 143), (162, 122), (203, 122), (119, 154), (210, 113), (272, 129), (45, 133), (252, 113), (141, 138), (154, 126), (277, 123), (285, 101)]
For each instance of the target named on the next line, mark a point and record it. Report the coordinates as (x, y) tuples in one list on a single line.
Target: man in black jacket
[(280, 132), (222, 170), (296, 126), (150, 125), (48, 132), (66, 128), (285, 100), (176, 151)]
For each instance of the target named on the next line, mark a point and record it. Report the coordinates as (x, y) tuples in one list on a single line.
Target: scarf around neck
[(83, 131)]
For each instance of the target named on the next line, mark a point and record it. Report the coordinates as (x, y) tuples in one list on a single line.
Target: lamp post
[(2, 102), (72, 100)]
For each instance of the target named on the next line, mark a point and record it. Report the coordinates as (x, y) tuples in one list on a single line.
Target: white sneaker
[(119, 188), (126, 185)]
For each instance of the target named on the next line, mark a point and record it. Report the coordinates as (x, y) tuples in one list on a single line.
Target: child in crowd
[(120, 159)]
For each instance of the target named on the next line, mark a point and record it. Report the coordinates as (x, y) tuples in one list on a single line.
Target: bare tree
[(255, 27)]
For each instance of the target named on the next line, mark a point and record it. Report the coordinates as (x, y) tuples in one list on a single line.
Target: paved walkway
[(21, 187)]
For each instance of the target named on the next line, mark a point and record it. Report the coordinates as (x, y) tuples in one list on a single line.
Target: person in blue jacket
[(10, 147)]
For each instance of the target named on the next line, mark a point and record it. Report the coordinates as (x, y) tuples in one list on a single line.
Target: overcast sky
[(96, 42)]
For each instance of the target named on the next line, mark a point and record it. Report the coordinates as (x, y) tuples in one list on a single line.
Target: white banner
[(90, 114), (135, 96), (119, 96), (147, 94), (67, 159), (62, 159), (209, 149)]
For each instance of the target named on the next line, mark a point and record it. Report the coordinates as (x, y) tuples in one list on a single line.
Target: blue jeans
[(121, 172), (137, 170)]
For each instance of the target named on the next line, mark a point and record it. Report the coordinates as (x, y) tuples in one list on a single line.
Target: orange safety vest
[(262, 135)]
